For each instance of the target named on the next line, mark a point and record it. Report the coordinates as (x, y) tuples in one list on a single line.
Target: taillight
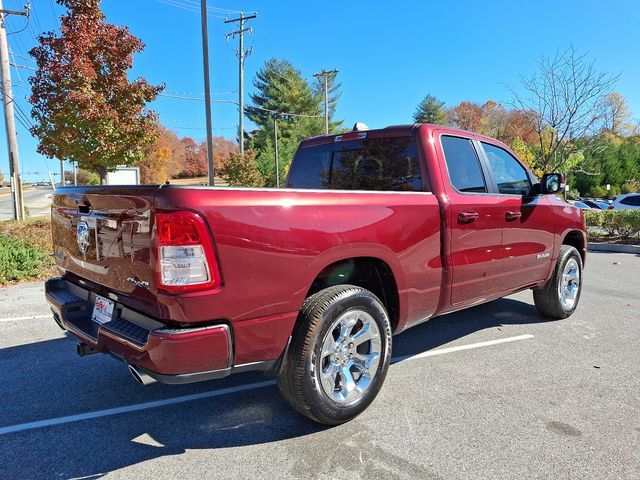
[(186, 259), (350, 136), (610, 207)]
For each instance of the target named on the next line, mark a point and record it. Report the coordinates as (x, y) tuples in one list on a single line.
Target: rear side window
[(633, 200), (463, 165), (510, 176), (384, 164)]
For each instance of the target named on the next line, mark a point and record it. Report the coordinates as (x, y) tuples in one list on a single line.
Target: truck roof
[(390, 131)]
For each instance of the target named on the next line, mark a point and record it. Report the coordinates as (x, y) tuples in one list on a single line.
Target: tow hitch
[(83, 349)]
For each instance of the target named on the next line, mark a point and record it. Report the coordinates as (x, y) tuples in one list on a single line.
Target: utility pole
[(275, 143), (9, 120), (207, 91), (75, 173), (62, 180), (325, 75), (242, 53)]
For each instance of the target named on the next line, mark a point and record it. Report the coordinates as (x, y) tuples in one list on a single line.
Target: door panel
[(527, 241), (474, 222), (526, 221), (475, 247)]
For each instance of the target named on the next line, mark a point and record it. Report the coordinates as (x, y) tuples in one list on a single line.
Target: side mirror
[(551, 183)]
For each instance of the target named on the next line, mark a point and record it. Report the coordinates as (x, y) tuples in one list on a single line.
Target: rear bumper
[(168, 355)]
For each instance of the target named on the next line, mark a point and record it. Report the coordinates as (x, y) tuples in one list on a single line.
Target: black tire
[(299, 380), (547, 298)]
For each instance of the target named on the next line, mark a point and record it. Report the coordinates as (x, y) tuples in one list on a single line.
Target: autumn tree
[(242, 171), (84, 106), (159, 162), (562, 102), (195, 159), (431, 110), (615, 112), (467, 116)]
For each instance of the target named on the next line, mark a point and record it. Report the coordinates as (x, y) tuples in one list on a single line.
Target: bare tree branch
[(563, 101)]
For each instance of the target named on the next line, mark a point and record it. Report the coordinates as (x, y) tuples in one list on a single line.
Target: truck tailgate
[(103, 234)]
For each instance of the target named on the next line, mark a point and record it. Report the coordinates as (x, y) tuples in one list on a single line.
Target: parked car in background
[(584, 205), (627, 201), (597, 204)]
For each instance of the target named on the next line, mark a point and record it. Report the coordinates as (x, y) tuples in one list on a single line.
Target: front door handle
[(512, 215), (467, 217)]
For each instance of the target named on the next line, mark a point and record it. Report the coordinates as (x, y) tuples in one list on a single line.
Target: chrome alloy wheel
[(569, 284), (348, 361)]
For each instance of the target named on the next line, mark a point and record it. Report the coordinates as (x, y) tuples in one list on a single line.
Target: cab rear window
[(379, 164)]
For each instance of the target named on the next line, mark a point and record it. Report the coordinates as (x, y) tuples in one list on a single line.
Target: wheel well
[(366, 272), (576, 240)]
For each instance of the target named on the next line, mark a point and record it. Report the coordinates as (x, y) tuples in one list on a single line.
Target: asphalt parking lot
[(492, 392)]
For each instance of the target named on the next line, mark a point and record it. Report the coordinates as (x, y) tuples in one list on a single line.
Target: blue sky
[(389, 54)]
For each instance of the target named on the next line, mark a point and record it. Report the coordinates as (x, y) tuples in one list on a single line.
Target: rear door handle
[(467, 217), (512, 215)]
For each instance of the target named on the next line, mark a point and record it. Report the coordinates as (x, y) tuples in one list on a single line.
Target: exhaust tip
[(140, 376)]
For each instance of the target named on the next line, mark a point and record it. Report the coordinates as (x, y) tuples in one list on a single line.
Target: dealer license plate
[(102, 310)]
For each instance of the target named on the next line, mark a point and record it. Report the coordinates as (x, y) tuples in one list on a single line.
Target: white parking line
[(133, 408), (224, 391), (32, 317), (458, 348)]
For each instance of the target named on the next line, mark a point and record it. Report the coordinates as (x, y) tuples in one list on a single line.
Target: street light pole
[(275, 139), (207, 91)]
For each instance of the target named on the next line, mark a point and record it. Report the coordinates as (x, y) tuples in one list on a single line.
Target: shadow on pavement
[(47, 380)]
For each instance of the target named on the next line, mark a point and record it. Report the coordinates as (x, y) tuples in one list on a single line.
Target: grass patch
[(25, 249)]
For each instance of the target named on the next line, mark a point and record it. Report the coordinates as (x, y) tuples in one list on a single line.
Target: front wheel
[(559, 297), (339, 354)]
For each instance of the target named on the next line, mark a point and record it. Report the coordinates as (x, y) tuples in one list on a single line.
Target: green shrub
[(20, 260), (598, 192), (629, 187), (573, 194), (615, 222)]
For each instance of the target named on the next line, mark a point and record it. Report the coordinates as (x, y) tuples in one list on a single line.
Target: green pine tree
[(431, 110), (281, 88)]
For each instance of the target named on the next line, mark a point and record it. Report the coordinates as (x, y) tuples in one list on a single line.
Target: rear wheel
[(339, 354), (559, 297)]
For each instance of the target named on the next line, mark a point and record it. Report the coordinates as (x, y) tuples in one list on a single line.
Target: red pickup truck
[(376, 231)]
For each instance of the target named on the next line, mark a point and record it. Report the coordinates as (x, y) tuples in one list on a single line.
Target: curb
[(612, 247)]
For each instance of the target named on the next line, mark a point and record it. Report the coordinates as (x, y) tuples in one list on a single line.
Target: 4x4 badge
[(83, 237)]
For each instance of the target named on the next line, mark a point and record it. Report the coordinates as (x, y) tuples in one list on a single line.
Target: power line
[(182, 97), (35, 17), (189, 8), (199, 94), (23, 66), (283, 114), (18, 40), (21, 30), (275, 112), (209, 7)]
